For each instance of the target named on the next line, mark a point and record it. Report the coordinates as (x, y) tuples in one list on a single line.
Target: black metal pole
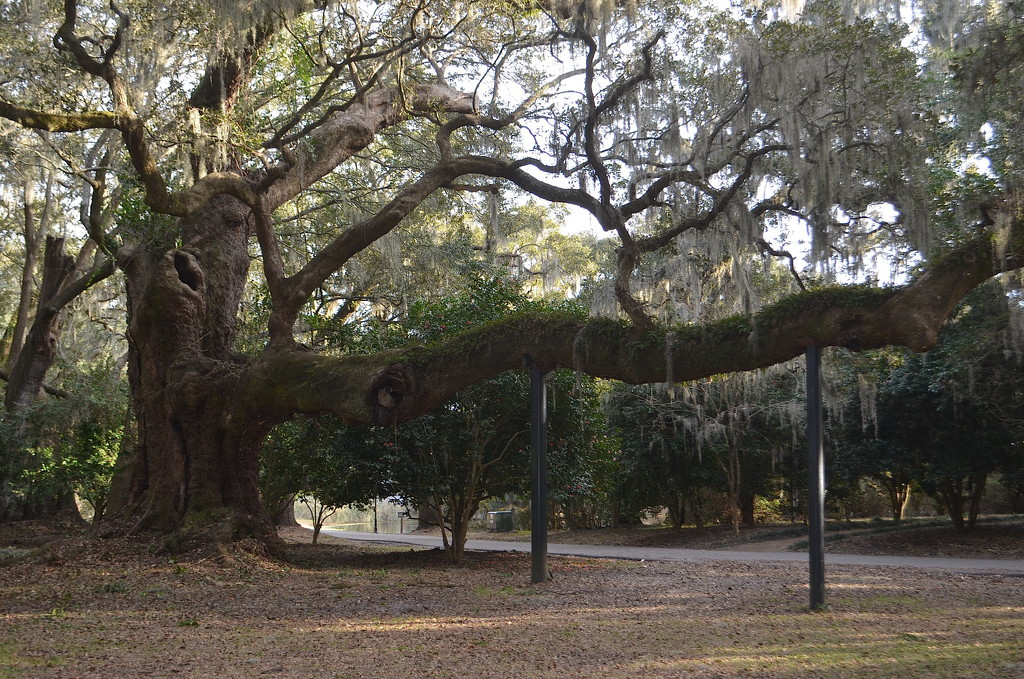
[(538, 474), (815, 479)]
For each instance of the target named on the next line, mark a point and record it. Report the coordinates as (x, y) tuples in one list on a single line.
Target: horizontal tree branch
[(49, 389), (401, 384), (58, 122)]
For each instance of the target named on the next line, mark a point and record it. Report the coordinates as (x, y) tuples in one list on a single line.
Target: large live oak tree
[(659, 138)]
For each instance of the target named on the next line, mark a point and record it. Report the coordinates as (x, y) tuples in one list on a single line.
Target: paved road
[(672, 554)]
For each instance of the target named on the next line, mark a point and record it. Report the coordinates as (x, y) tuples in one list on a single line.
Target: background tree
[(938, 418), (325, 465), (581, 452), (72, 443), (658, 464), (729, 435), (476, 445), (464, 452), (58, 262), (858, 454)]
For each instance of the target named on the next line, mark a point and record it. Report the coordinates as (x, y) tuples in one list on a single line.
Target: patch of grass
[(346, 572), (839, 643), (12, 662), (878, 526), (894, 602), (881, 603), (116, 587)]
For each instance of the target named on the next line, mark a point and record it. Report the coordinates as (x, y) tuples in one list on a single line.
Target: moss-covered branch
[(401, 384), (58, 122)]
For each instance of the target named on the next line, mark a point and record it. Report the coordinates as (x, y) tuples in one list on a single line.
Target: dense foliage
[(944, 421)]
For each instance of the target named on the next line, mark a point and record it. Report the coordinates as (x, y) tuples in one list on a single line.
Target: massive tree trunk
[(198, 439)]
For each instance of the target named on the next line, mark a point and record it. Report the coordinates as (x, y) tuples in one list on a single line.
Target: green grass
[(882, 603), (12, 663), (116, 587), (852, 639)]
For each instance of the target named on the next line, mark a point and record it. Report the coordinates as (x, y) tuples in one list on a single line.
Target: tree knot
[(388, 389)]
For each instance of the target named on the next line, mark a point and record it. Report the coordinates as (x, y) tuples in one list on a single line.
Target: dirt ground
[(89, 607)]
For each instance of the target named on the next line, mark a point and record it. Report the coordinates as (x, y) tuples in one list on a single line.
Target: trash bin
[(499, 522)]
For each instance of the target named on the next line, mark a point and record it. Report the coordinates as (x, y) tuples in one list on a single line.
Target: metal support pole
[(815, 479), (375, 515), (538, 474)]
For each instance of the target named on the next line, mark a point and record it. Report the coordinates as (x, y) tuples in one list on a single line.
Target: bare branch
[(446, 130), (348, 132), (766, 247), (49, 389), (722, 201), (590, 136)]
